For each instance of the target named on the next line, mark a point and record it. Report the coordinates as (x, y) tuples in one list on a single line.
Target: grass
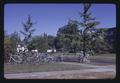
[(104, 56), (109, 55), (19, 68)]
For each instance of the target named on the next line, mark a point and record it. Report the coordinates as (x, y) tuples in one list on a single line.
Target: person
[(91, 52), (86, 58), (80, 57), (19, 48), (25, 49)]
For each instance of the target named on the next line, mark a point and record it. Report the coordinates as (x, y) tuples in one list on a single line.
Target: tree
[(39, 42), (27, 30), (110, 38), (68, 37), (88, 28), (10, 42), (100, 43), (51, 41), (7, 47), (58, 43), (15, 38)]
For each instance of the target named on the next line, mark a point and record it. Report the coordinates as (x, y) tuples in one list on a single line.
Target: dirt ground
[(88, 75)]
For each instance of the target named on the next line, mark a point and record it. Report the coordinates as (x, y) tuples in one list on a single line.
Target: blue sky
[(50, 17)]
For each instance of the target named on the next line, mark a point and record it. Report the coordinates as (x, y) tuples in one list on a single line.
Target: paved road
[(66, 74)]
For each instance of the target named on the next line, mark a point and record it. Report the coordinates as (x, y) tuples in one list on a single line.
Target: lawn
[(19, 68), (109, 58)]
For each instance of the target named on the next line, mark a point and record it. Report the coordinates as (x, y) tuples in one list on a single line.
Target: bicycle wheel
[(15, 59)]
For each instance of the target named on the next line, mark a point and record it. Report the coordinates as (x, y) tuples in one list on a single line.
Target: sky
[(50, 17)]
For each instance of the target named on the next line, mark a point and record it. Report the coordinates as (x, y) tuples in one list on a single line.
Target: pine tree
[(27, 30), (88, 28)]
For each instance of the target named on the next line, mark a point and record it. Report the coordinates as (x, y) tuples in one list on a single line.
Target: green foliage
[(101, 45), (15, 38), (7, 47), (38, 42), (51, 41), (68, 37), (10, 42), (27, 30), (42, 42), (88, 30)]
